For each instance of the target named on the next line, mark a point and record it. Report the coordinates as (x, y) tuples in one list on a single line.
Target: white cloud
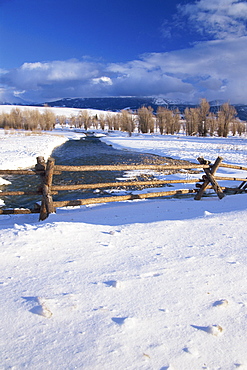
[(102, 80), (35, 66), (208, 66), (3, 71), (140, 77), (45, 80), (18, 93), (218, 18)]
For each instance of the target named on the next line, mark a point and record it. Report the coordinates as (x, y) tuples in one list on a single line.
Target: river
[(87, 151)]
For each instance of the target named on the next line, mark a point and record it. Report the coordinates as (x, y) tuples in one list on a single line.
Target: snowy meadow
[(146, 284)]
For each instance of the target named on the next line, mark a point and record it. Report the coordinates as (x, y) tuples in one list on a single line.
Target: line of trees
[(123, 121), (28, 119), (194, 121), (201, 121), (32, 119)]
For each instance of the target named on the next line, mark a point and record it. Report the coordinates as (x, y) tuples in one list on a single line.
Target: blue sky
[(178, 49)]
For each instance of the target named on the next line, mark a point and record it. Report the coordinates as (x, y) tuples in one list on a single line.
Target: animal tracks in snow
[(119, 320), (125, 322), (47, 307), (151, 274), (120, 284), (215, 330), (111, 232), (221, 303), (40, 307), (113, 283), (192, 351)]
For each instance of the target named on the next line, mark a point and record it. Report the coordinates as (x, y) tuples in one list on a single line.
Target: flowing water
[(87, 151)]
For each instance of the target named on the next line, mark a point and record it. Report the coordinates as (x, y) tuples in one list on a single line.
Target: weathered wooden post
[(40, 170), (40, 166), (209, 178), (46, 179)]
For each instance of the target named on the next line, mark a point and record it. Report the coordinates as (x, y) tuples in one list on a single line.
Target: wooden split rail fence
[(46, 171)]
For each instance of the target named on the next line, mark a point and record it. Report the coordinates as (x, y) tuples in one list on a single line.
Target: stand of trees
[(200, 121), (195, 121), (168, 121), (28, 119)]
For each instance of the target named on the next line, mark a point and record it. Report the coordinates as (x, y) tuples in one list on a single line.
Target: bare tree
[(74, 121), (85, 119), (16, 118), (146, 119), (4, 118), (102, 121), (161, 118), (109, 120), (176, 125), (226, 114), (241, 127), (127, 121), (79, 119), (95, 121), (220, 124), (117, 122), (203, 117), (62, 120), (191, 121), (49, 120), (168, 122), (31, 119), (212, 123)]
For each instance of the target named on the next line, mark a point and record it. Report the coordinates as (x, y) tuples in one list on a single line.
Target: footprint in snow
[(126, 322), (119, 320), (40, 308), (113, 283), (192, 351), (112, 232), (150, 275), (221, 303), (215, 330)]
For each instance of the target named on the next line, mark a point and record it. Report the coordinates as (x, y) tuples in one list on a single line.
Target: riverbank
[(152, 284)]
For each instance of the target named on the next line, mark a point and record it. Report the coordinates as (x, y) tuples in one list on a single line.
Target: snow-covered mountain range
[(118, 103)]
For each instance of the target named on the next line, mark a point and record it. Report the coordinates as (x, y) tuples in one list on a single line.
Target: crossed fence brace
[(209, 178)]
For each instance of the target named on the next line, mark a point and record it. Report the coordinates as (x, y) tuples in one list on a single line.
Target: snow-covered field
[(150, 284)]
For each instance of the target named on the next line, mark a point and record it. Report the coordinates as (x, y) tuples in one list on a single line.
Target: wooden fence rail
[(46, 171), (154, 167)]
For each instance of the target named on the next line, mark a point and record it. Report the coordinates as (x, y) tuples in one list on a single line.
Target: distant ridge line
[(116, 104), (133, 103)]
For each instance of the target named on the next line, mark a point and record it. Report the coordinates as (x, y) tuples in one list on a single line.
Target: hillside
[(118, 103)]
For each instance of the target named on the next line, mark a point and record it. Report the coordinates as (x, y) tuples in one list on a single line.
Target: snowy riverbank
[(153, 284)]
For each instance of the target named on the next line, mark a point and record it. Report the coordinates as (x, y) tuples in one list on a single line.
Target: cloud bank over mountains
[(214, 67)]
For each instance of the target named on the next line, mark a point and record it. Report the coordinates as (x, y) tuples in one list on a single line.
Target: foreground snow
[(155, 284)]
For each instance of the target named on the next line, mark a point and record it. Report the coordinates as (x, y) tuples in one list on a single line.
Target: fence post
[(210, 178), (47, 202)]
